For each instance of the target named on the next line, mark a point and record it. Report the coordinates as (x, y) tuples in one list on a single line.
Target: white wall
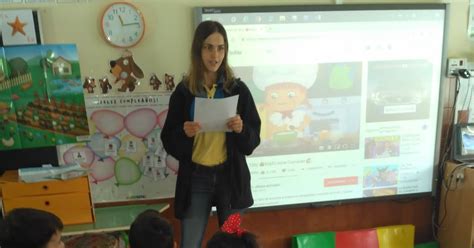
[(169, 26)]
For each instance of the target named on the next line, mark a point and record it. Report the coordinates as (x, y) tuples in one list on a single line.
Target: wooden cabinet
[(70, 200), (457, 207)]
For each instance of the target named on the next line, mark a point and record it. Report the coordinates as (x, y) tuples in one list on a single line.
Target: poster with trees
[(41, 99)]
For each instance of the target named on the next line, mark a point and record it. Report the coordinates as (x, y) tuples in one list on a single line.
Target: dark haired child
[(30, 228), (232, 235), (150, 230)]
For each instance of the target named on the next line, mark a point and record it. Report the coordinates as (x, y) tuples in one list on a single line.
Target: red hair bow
[(232, 225)]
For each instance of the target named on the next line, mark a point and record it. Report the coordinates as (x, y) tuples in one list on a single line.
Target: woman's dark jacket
[(178, 145)]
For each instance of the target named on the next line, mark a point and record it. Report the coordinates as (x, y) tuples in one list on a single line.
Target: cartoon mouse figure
[(169, 82), (89, 84), (126, 71), (105, 85), (155, 82)]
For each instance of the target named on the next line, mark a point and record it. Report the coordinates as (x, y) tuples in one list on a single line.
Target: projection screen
[(349, 97)]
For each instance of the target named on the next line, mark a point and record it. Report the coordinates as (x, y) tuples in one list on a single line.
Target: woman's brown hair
[(195, 76)]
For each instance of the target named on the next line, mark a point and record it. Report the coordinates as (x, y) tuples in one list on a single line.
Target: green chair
[(316, 240)]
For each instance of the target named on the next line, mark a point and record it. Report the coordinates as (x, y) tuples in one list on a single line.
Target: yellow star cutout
[(17, 26)]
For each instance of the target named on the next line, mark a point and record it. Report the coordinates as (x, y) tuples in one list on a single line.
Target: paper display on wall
[(41, 99), (124, 155)]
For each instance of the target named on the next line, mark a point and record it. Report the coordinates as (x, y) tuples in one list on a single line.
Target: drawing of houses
[(61, 67)]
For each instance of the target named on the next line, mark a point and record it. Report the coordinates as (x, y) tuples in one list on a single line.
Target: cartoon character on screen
[(384, 149), (385, 177), (286, 112)]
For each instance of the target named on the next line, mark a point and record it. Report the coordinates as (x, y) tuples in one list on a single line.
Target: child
[(232, 235), (30, 228), (150, 230)]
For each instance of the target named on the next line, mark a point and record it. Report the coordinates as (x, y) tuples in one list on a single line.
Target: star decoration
[(17, 26)]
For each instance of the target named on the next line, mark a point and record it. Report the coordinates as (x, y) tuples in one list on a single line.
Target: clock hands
[(133, 23), (127, 24)]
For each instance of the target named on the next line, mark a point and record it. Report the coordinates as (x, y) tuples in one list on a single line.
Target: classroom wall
[(165, 48), (169, 26)]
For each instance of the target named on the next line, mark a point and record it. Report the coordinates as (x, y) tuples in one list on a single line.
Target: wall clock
[(123, 24)]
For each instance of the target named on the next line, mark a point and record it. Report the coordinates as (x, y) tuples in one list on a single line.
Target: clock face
[(123, 24)]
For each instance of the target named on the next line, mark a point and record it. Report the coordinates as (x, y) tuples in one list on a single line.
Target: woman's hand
[(191, 128), (235, 124)]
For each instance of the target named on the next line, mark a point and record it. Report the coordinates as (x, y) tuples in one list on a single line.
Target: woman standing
[(213, 170)]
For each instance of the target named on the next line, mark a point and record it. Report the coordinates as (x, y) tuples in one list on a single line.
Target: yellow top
[(209, 148)]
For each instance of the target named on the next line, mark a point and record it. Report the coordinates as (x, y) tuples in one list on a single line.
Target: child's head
[(232, 240), (150, 230), (232, 235), (30, 228)]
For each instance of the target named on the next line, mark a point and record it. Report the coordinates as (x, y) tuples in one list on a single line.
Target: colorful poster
[(124, 154), (41, 99), (8, 126)]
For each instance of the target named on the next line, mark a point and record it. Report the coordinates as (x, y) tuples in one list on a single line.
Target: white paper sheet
[(213, 114)]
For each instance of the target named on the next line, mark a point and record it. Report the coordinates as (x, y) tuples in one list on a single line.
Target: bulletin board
[(123, 153)]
